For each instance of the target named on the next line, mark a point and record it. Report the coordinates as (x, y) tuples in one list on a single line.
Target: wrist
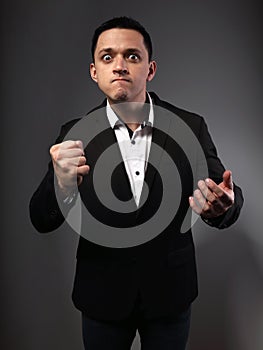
[(65, 193), (69, 199)]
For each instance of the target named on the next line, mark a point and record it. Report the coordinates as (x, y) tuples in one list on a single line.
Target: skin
[(211, 200), (121, 68), (69, 163)]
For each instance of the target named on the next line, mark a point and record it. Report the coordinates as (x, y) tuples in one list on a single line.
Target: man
[(147, 285)]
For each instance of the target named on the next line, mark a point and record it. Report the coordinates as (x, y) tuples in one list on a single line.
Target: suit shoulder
[(65, 129), (71, 122), (189, 117)]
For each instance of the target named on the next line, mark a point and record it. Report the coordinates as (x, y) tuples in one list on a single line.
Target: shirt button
[(133, 142), (137, 172)]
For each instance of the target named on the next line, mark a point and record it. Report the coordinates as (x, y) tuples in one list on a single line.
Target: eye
[(133, 57), (106, 57)]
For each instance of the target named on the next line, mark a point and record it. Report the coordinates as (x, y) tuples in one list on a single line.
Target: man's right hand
[(69, 164)]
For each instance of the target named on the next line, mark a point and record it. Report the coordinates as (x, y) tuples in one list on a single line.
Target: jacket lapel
[(162, 120), (105, 137)]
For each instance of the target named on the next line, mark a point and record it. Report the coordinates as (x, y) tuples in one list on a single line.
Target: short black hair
[(122, 23)]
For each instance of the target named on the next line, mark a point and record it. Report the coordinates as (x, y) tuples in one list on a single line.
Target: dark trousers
[(167, 333)]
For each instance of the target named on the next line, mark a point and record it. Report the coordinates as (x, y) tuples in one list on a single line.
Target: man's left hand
[(211, 200)]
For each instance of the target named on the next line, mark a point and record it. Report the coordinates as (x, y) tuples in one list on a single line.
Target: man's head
[(122, 65), (122, 23)]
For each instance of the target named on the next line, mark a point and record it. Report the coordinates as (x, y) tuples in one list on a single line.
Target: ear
[(152, 70), (93, 72)]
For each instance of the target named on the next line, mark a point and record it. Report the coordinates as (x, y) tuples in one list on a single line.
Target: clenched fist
[(69, 164)]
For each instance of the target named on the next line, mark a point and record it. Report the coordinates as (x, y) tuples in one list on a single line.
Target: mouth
[(120, 79)]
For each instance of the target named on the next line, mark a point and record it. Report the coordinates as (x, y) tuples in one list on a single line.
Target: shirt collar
[(114, 120)]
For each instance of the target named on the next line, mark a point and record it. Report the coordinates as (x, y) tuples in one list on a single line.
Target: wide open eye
[(106, 57), (133, 57)]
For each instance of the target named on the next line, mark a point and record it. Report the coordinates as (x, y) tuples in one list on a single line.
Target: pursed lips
[(120, 79)]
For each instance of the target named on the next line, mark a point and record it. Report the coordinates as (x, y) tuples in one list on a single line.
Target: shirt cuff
[(69, 199)]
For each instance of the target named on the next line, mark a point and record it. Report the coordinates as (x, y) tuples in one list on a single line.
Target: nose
[(120, 66)]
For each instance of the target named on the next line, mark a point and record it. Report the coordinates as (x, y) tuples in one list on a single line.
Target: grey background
[(209, 59)]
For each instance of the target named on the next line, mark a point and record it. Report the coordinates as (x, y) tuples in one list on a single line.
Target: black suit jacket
[(161, 272)]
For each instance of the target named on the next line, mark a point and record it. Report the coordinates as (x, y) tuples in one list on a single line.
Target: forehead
[(119, 39)]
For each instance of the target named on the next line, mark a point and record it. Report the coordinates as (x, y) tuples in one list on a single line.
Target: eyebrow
[(109, 49)]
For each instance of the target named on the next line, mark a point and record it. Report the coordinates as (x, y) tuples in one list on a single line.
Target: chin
[(121, 97)]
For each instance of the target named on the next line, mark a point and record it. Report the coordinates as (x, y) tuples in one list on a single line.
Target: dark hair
[(122, 23)]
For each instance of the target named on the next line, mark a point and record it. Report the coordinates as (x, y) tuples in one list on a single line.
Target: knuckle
[(82, 160), (206, 192), (52, 150), (214, 201), (79, 144), (196, 193), (59, 156), (221, 195), (65, 165)]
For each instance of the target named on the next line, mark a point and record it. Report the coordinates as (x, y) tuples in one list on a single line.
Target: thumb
[(227, 179)]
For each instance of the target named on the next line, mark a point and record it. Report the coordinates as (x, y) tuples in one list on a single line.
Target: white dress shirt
[(134, 150)]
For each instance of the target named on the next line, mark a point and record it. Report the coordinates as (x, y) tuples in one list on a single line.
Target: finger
[(227, 179), (199, 198), (79, 144), (54, 148), (57, 150), (224, 198), (213, 187), (204, 189), (196, 208), (69, 153), (199, 202), (79, 179), (71, 144), (83, 170), (210, 196), (213, 199), (69, 164), (82, 161)]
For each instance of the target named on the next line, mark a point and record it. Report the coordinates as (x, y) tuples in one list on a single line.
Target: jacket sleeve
[(44, 209), (216, 170)]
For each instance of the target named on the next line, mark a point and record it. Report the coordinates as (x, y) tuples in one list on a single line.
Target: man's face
[(121, 65)]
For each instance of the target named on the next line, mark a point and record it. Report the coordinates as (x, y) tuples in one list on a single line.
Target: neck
[(132, 113)]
